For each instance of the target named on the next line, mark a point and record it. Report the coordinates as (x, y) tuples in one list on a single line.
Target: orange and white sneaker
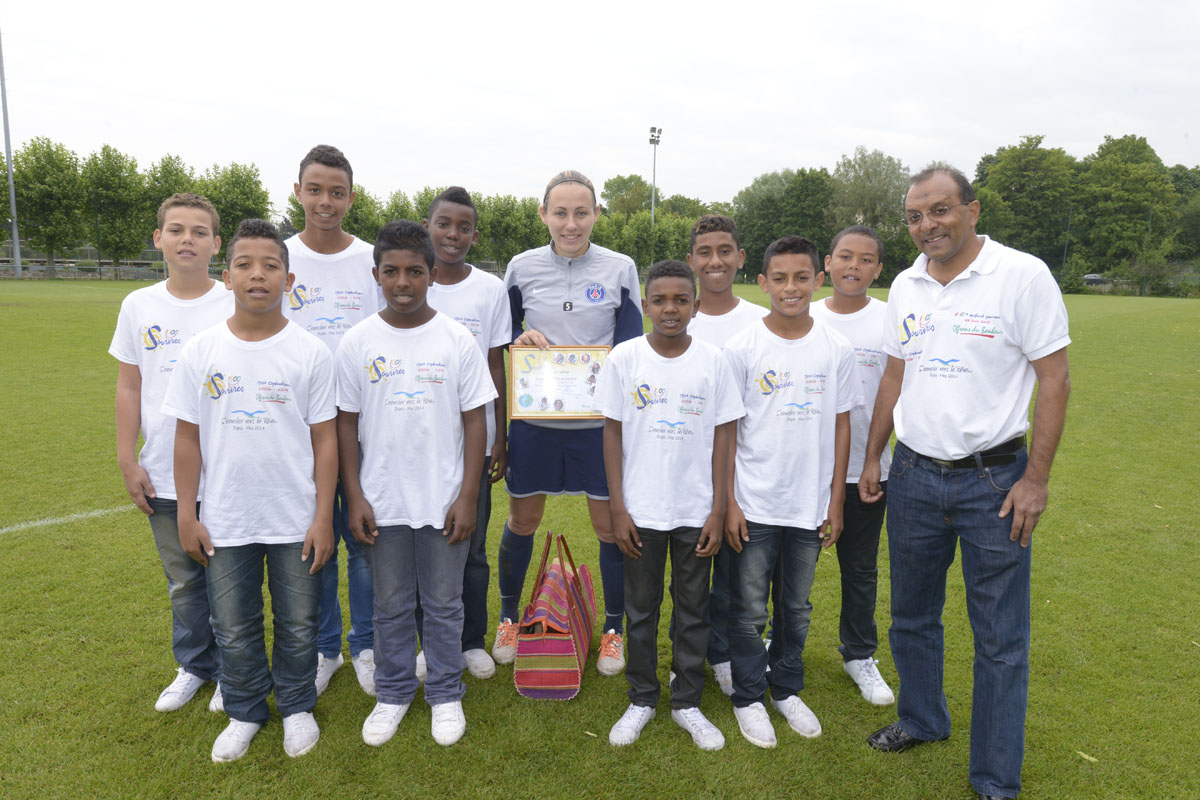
[(504, 649), (612, 654)]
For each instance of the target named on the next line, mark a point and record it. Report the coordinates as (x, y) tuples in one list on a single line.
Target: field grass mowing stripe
[(41, 523)]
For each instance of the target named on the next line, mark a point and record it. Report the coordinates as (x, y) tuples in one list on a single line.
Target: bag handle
[(541, 573), (562, 546)]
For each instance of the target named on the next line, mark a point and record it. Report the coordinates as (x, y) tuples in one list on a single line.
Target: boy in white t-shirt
[(670, 406), (477, 300), (796, 378), (253, 400), (333, 291), (412, 380), (854, 261), (717, 256), (154, 324)]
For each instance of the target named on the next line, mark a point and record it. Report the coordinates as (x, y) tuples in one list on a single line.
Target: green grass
[(1115, 663)]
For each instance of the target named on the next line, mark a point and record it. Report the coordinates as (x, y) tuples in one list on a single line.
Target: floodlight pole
[(655, 137), (12, 193)]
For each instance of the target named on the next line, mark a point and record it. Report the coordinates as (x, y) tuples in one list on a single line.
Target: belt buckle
[(943, 463)]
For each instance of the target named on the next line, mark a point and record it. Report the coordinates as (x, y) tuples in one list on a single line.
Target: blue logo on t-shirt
[(594, 293)]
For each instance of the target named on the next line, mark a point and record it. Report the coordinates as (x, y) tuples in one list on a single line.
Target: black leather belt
[(993, 457)]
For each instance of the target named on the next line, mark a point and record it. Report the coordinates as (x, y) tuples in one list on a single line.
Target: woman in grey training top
[(569, 292)]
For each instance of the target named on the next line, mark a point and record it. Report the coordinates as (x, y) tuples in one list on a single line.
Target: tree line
[(1119, 211)]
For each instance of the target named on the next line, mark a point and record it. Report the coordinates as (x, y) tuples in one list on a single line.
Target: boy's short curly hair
[(329, 156), (714, 223), (403, 234), (670, 268), (188, 200), (257, 229)]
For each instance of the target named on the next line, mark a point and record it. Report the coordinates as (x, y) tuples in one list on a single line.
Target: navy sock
[(612, 576), (515, 552)]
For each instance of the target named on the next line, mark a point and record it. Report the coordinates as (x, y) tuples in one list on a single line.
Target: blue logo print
[(250, 414), (594, 293), (330, 320), (945, 362), (409, 394), (671, 425), (799, 405)]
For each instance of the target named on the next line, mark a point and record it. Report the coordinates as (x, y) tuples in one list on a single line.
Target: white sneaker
[(325, 669), (612, 653), (364, 670), (479, 663), (872, 685), (449, 723), (629, 726), (724, 675), (755, 725), (799, 716), (300, 733), (382, 722), (217, 704), (422, 668), (182, 689), (234, 741), (504, 648), (704, 733)]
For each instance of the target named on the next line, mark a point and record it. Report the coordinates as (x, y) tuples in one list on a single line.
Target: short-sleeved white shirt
[(151, 330), (864, 330), (332, 292), (410, 387), (668, 409), (968, 349), (254, 403), (717, 329), (480, 304), (793, 390)]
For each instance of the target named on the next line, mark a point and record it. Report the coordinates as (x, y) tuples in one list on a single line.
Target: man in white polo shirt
[(972, 325)]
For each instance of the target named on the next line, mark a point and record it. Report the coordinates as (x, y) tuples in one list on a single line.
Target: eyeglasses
[(913, 218)]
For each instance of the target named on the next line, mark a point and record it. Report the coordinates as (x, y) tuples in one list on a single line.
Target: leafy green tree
[(721, 207), (423, 199), (1187, 241), (398, 206), (49, 195), (869, 189), (686, 207), (628, 194), (238, 194), (1132, 210), (806, 207), (364, 218), (1035, 183), (507, 226), (167, 176), (115, 193), (756, 211), (1186, 180)]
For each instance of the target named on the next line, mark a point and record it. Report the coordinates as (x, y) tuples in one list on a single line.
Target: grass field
[(1115, 686)]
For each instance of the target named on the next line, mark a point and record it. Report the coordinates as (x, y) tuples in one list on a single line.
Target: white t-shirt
[(864, 330), (718, 329), (968, 348), (668, 409), (331, 292), (410, 387), (793, 390), (479, 303), (152, 328), (254, 403)]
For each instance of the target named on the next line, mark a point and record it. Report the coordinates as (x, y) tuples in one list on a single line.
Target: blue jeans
[(235, 579), (931, 511), (643, 603), (406, 561), (789, 555), (329, 635), (192, 639), (858, 559), (476, 574)]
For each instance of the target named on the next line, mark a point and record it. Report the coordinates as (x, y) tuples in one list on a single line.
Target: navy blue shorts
[(555, 461)]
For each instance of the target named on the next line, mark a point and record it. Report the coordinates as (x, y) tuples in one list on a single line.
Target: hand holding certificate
[(556, 383)]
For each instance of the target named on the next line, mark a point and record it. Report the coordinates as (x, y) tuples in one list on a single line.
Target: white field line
[(67, 520)]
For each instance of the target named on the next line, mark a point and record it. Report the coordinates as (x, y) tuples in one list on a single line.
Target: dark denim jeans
[(790, 556), (931, 511), (235, 580), (192, 639), (405, 561), (643, 603), (858, 558), (362, 635), (476, 575)]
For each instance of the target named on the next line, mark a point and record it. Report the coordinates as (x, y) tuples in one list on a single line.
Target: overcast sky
[(499, 96)]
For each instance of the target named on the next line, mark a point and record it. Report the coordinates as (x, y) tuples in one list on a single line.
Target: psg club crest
[(594, 293)]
